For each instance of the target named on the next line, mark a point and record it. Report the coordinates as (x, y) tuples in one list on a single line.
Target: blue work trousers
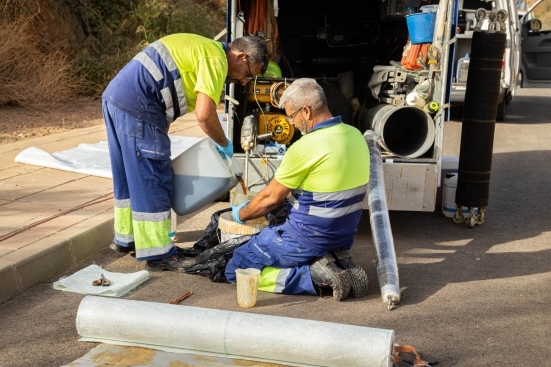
[(142, 182), (274, 248)]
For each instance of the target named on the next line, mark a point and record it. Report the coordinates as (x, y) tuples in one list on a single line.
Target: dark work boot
[(122, 249), (173, 263), (325, 273), (358, 276)]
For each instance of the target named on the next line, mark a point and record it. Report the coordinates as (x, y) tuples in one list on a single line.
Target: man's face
[(242, 71), (296, 118)]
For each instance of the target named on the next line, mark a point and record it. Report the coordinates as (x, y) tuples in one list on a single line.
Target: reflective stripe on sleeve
[(165, 55), (150, 66), (182, 101)]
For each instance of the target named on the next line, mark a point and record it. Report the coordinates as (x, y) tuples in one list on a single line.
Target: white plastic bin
[(200, 176)]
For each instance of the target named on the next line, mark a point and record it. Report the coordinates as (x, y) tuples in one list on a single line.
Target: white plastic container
[(414, 99), (201, 176), (448, 197), (450, 164), (230, 229), (463, 69)]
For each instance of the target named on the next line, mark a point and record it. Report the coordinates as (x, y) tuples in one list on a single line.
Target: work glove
[(227, 151), (235, 212)]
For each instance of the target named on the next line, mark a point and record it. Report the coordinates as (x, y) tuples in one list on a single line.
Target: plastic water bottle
[(414, 99), (463, 69)]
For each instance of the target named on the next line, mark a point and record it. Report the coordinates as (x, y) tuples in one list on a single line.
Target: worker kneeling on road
[(326, 174)]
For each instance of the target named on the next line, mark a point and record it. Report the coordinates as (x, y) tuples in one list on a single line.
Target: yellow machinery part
[(261, 91), (276, 123), (258, 92)]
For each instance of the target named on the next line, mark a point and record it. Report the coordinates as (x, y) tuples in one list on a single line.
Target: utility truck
[(368, 58)]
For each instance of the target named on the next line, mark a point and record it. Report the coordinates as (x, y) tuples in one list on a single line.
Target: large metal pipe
[(405, 131), (387, 268)]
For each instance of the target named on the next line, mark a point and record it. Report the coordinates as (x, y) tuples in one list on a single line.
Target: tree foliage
[(91, 40)]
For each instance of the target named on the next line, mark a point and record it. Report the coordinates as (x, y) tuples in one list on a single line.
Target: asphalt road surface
[(470, 296)]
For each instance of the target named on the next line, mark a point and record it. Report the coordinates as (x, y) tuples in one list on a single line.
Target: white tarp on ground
[(121, 356), (120, 284), (89, 159), (193, 330)]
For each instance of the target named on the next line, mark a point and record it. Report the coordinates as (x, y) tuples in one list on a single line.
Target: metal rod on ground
[(387, 268)]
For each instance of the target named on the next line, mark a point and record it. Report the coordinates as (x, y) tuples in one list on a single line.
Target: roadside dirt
[(17, 123)]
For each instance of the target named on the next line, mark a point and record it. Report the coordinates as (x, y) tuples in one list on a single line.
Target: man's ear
[(240, 55), (308, 112)]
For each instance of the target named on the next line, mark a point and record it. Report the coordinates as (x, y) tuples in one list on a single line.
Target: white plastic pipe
[(230, 334), (405, 131)]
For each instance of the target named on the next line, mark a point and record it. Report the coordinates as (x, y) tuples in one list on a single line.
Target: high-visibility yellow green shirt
[(327, 171), (202, 64), (161, 82)]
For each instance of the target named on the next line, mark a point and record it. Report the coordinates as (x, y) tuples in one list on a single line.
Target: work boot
[(325, 273), (173, 263), (358, 276), (123, 249)]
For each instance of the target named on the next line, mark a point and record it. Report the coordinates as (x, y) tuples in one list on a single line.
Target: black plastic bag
[(209, 257), (212, 262), (210, 238)]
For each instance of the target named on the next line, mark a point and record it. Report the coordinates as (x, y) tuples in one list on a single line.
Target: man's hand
[(227, 151), (235, 212)]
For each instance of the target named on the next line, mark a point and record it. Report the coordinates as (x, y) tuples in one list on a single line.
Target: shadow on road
[(432, 251)]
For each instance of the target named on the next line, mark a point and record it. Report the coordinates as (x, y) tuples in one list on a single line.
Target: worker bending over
[(177, 74), (326, 173)]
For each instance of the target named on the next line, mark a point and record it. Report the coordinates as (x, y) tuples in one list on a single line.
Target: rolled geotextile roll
[(230, 334), (387, 267)]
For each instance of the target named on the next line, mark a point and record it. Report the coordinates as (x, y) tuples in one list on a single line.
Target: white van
[(511, 58), (535, 70)]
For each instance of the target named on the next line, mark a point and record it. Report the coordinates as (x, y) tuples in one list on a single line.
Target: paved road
[(470, 297)]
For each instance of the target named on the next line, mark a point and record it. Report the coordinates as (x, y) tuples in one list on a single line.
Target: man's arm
[(205, 111), (267, 200)]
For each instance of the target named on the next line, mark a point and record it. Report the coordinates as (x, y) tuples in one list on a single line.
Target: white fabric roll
[(230, 334)]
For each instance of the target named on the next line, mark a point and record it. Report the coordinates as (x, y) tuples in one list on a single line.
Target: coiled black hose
[(479, 116)]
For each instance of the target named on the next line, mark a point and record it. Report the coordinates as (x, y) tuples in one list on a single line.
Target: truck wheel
[(501, 111)]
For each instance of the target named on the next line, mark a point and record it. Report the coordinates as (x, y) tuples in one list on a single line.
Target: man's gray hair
[(303, 92), (254, 47)]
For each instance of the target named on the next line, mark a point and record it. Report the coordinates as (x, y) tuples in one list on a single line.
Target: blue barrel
[(421, 27)]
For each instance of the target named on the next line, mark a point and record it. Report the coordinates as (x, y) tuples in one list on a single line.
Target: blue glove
[(227, 151), (235, 212)]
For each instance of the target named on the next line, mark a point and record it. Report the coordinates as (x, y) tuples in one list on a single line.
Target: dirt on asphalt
[(19, 123)]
